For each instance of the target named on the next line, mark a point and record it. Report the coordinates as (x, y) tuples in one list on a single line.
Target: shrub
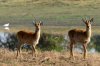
[(51, 42), (8, 40), (96, 42)]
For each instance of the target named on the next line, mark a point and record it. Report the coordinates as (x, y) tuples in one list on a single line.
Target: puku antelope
[(29, 38), (80, 36)]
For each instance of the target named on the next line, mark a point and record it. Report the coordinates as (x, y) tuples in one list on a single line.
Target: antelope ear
[(83, 20), (41, 23), (91, 20)]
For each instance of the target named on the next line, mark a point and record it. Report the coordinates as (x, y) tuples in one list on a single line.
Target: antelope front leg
[(85, 51), (33, 50), (18, 50), (71, 50)]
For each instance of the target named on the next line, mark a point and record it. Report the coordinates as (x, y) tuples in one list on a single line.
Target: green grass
[(57, 12)]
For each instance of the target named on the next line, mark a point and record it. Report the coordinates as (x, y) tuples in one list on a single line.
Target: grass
[(64, 14), (54, 12), (47, 58)]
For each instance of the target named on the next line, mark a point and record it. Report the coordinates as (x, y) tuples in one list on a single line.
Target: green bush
[(51, 42), (96, 42)]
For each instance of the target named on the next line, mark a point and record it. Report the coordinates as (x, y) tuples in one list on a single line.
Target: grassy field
[(60, 15), (51, 12), (51, 58)]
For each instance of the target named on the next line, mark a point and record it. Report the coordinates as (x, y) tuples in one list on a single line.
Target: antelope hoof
[(71, 58)]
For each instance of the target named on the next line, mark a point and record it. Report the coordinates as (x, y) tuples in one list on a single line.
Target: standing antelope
[(81, 36), (29, 38)]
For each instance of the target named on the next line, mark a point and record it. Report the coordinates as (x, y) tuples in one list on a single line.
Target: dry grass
[(47, 58)]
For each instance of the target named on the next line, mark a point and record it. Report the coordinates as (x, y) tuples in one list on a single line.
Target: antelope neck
[(88, 31), (37, 31)]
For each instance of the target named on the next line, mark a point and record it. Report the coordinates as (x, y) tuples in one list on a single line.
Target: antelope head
[(88, 22), (37, 24)]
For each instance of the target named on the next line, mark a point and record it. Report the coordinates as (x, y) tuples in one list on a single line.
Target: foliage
[(9, 41), (47, 42), (51, 42), (96, 41)]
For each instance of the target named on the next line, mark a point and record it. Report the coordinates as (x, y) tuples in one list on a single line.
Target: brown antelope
[(29, 38), (81, 36)]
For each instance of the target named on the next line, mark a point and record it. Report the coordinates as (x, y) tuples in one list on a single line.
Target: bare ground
[(47, 58)]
